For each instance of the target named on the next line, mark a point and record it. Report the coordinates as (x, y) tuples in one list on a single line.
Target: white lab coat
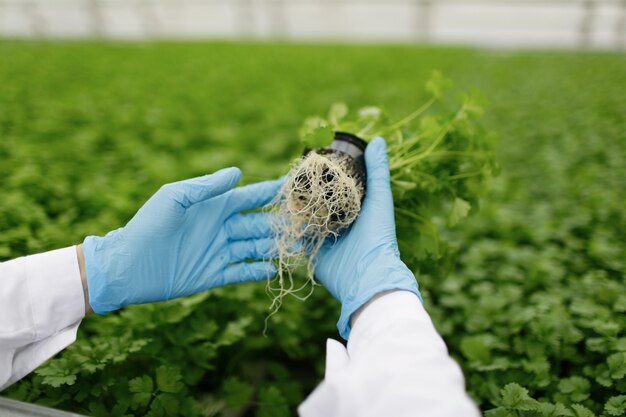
[(395, 363)]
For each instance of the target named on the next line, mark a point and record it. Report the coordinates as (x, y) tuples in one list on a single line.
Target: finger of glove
[(245, 272), (195, 190), (248, 226), (257, 249), (378, 178), (257, 195)]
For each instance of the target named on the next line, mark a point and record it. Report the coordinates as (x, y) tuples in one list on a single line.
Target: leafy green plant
[(527, 291), (439, 161)]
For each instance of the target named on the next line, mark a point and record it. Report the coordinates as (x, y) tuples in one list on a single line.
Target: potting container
[(353, 147)]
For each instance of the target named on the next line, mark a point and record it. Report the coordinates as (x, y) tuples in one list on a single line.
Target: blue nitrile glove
[(365, 260), (188, 237)]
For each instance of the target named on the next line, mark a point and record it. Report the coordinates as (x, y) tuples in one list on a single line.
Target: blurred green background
[(535, 295)]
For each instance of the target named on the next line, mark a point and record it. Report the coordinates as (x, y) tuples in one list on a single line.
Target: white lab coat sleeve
[(396, 364), (41, 305)]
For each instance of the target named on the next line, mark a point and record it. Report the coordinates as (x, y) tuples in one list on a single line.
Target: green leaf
[(319, 137), (234, 331), (430, 126), (168, 379), (552, 410), (272, 403), (142, 387), (58, 380), (141, 384), (57, 372), (582, 411), (616, 406), (165, 404), (120, 408), (620, 344), (19, 391), (140, 400), (499, 412), (474, 103), (98, 410), (617, 365), (137, 345), (437, 84), (476, 348), (337, 112), (515, 397), (236, 392), (576, 388), (620, 303), (459, 210)]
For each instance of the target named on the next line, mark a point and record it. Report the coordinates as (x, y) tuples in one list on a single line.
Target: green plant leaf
[(616, 406), (236, 392), (617, 365), (459, 210), (476, 348), (168, 379), (553, 410), (582, 411), (499, 412), (165, 404), (539, 268), (474, 103), (576, 388), (337, 112), (272, 403), (142, 389), (437, 84), (234, 331), (141, 384), (119, 409), (98, 410), (58, 372), (515, 397), (319, 137)]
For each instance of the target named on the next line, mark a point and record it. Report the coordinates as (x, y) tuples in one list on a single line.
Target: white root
[(320, 198)]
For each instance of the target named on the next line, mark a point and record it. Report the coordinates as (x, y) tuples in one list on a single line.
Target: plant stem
[(405, 144), (431, 148), (468, 154), (394, 175), (422, 155), (407, 119), (464, 175), (363, 131)]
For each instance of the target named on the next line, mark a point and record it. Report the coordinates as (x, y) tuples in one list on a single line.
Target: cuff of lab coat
[(377, 316), (56, 291), (26, 359)]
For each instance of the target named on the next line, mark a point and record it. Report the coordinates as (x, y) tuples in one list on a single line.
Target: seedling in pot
[(320, 199), (439, 163)]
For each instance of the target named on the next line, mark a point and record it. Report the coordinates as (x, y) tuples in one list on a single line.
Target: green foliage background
[(531, 298)]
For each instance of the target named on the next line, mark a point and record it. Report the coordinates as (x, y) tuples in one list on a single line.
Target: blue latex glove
[(189, 237), (365, 260)]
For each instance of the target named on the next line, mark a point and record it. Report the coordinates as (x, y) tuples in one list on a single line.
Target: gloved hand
[(365, 260), (188, 237)]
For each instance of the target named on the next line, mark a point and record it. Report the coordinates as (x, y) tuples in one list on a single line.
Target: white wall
[(525, 23)]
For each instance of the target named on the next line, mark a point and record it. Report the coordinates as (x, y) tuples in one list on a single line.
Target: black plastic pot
[(353, 147)]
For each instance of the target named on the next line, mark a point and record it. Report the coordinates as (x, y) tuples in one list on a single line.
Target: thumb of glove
[(377, 165)]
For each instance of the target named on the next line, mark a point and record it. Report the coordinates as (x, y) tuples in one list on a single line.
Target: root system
[(320, 199)]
